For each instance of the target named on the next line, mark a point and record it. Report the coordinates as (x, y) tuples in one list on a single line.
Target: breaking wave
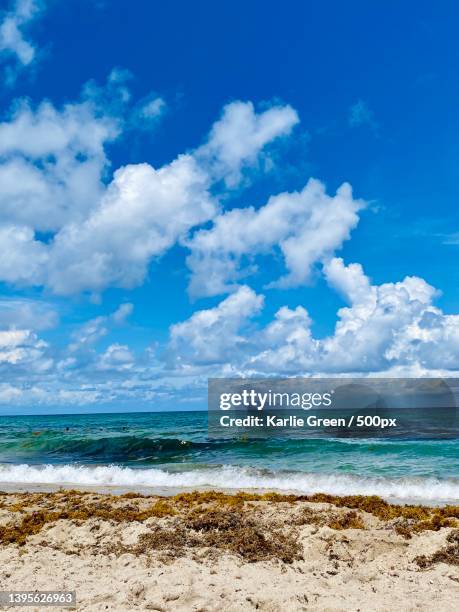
[(422, 490)]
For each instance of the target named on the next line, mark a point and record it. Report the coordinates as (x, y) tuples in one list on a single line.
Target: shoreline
[(171, 479), (217, 551), (171, 491)]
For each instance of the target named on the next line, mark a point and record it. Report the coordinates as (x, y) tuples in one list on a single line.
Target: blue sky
[(146, 241)]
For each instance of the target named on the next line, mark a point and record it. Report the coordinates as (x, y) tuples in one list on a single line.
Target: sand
[(224, 554)]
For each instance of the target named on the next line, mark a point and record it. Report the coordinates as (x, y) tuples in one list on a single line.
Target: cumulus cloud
[(92, 368), (142, 214), (285, 346), (236, 140), (13, 43), (9, 393), (52, 163), (384, 328), (22, 348), (52, 168), (116, 357), (23, 354), (306, 227), (70, 225), (211, 335), (23, 258), (23, 313), (390, 329), (378, 315)]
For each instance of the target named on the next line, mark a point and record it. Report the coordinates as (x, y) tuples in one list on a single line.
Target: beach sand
[(212, 551)]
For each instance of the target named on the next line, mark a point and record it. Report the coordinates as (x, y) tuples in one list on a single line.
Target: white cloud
[(20, 347), (52, 163), (306, 227), (142, 214), (22, 313), (210, 336), (239, 136), (91, 368), (52, 167), (367, 331), (51, 396), (23, 258), (9, 393), (23, 354), (48, 131), (12, 40), (285, 345), (382, 328), (392, 329), (386, 328), (350, 281), (68, 225), (86, 335), (116, 357)]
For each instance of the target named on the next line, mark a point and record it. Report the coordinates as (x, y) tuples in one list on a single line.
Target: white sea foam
[(229, 477)]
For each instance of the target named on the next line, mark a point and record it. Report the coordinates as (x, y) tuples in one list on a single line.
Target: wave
[(423, 490), (125, 448), (110, 448)]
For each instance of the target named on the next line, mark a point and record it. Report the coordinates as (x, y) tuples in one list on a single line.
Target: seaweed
[(34, 522), (31, 524), (448, 554), (239, 533), (230, 499), (350, 520), (211, 530), (217, 519)]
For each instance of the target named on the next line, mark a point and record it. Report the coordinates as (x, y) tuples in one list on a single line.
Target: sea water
[(152, 451)]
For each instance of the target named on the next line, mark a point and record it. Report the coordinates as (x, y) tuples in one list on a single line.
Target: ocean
[(168, 451)]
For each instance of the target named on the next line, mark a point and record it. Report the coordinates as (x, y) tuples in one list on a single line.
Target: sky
[(200, 189)]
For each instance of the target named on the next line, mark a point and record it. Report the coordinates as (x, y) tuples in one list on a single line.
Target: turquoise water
[(153, 450)]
